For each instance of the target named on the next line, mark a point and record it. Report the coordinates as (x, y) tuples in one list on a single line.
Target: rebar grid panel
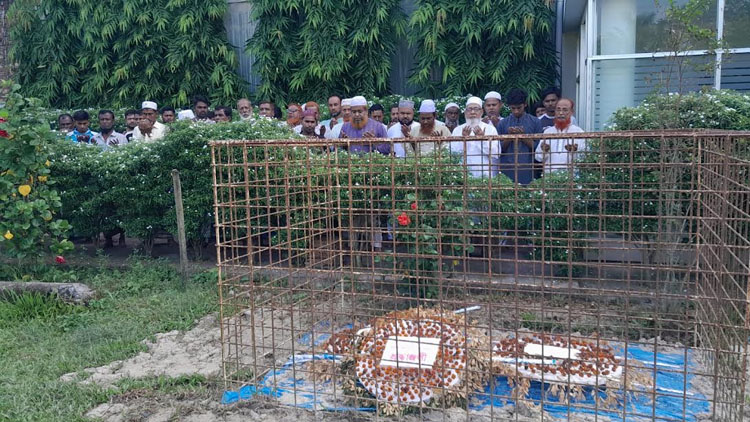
[(582, 292)]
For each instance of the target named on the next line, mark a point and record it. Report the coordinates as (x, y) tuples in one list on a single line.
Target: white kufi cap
[(493, 94), (346, 102), (474, 100), (149, 104), (427, 106), (449, 105), (358, 101)]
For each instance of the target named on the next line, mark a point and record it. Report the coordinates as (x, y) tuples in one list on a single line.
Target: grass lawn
[(40, 339)]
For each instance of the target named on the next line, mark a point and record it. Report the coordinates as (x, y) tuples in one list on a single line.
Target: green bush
[(29, 201), (723, 109), (115, 53), (481, 45), (311, 49), (130, 187)]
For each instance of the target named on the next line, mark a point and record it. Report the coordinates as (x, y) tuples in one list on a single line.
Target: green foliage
[(311, 49), (28, 199), (476, 46), (19, 308), (724, 109), (114, 53), (130, 187)]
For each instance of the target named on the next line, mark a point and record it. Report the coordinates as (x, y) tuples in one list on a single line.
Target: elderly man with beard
[(478, 154), (452, 112), (428, 126), (561, 154), (362, 127), (403, 129), (245, 108)]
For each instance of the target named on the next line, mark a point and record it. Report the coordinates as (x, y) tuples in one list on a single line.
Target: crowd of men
[(521, 159)]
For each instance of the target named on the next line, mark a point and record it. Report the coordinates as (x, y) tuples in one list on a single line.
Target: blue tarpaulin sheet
[(671, 403)]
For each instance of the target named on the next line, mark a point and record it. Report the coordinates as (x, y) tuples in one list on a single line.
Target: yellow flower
[(42, 178), (47, 163), (24, 190), (8, 235)]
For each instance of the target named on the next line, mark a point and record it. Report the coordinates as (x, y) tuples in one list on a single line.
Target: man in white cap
[(493, 103), (452, 112), (403, 128), (362, 127), (479, 154), (428, 126), (346, 110), (145, 131)]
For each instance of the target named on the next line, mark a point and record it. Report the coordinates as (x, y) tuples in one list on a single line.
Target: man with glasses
[(478, 154)]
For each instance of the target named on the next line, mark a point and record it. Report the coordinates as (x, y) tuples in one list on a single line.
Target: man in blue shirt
[(517, 155), (81, 133)]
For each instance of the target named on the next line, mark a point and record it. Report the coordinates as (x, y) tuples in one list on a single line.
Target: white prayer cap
[(358, 101), (346, 102), (449, 105), (149, 104), (186, 115), (474, 101), (427, 106), (493, 94), (406, 104)]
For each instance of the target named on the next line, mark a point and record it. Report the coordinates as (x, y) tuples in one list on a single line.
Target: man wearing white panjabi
[(403, 128), (560, 154), (479, 154)]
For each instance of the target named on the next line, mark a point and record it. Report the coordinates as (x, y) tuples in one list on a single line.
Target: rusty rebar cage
[(613, 287)]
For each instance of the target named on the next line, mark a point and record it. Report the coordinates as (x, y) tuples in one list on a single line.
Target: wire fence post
[(180, 223)]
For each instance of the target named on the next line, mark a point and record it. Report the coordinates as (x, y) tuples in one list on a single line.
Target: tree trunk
[(73, 293)]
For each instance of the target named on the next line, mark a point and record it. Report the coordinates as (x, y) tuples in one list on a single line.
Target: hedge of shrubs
[(130, 187)]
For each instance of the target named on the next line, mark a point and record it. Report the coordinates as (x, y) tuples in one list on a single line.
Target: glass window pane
[(735, 72), (626, 82), (736, 19), (641, 26)]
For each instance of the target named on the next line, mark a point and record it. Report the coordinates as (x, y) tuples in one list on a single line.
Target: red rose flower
[(59, 259), (404, 219), (4, 134), (414, 206)]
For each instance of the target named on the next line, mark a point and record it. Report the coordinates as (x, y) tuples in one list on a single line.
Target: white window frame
[(591, 56)]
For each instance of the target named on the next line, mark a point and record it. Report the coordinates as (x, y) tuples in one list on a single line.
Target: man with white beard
[(478, 154)]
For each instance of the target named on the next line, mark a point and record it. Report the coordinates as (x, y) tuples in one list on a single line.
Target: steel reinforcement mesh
[(611, 287)]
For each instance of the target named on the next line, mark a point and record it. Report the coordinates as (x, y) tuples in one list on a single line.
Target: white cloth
[(558, 158), (394, 132), (358, 101), (479, 154), (157, 132), (335, 132)]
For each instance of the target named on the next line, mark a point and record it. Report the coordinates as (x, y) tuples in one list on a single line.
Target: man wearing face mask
[(478, 154)]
